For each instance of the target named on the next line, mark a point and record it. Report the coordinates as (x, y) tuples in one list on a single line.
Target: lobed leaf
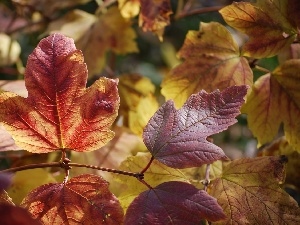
[(278, 90), (268, 24), (212, 61), (249, 192), (177, 138), (84, 199), (59, 111), (173, 203)]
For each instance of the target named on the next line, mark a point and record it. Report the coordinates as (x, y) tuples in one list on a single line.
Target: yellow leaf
[(275, 99), (249, 193), (155, 175), (129, 8), (212, 61), (110, 32), (24, 181), (138, 103), (9, 50)]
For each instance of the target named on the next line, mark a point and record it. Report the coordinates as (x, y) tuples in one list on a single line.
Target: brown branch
[(198, 11)]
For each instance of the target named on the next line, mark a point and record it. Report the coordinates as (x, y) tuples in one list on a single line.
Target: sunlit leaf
[(118, 37), (155, 175), (24, 181), (4, 198), (177, 138), (173, 203), (271, 92), (13, 215), (138, 103), (83, 200), (9, 50), (59, 111), (268, 23), (129, 8), (249, 192), (212, 61)]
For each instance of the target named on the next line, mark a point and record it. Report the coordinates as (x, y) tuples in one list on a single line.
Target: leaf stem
[(148, 165), (206, 180)]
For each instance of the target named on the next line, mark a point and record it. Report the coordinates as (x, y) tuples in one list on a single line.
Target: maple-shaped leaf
[(278, 90), (177, 138), (249, 192), (173, 203), (84, 199), (270, 25), (212, 61), (59, 111)]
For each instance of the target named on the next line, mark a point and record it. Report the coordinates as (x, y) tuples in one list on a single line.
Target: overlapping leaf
[(177, 138), (212, 61), (156, 174), (249, 193), (59, 111), (270, 24), (271, 92), (83, 200), (173, 203), (4, 198)]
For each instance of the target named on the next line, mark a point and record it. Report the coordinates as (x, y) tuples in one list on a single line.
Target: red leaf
[(12, 215), (173, 203), (82, 200), (59, 111), (177, 138)]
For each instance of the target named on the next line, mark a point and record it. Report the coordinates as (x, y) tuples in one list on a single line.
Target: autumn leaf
[(14, 215), (138, 102), (270, 25), (4, 198), (177, 138), (278, 90), (155, 16), (212, 61), (249, 192), (156, 174), (282, 147), (21, 185), (59, 111), (173, 203), (84, 199), (118, 37)]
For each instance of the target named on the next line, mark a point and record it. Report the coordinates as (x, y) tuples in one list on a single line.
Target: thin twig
[(69, 165), (206, 180), (198, 11), (148, 165)]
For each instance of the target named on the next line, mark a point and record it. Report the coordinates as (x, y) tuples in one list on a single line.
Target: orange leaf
[(249, 193), (82, 200), (212, 61), (59, 111), (268, 24)]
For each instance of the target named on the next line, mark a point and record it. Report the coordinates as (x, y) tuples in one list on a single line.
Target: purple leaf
[(173, 203), (177, 138)]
